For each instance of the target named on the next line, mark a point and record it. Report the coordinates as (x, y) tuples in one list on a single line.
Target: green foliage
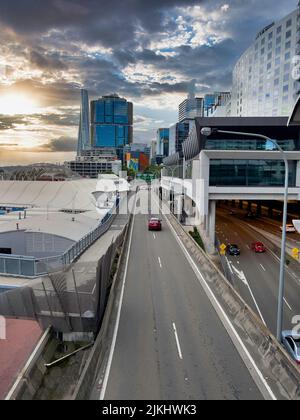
[(197, 237)]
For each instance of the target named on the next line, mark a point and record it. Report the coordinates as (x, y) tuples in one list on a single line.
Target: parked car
[(258, 247), (289, 229), (250, 215), (291, 342), (233, 250), (155, 224)]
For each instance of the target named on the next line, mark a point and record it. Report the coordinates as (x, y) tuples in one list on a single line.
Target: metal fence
[(70, 300), (22, 266)]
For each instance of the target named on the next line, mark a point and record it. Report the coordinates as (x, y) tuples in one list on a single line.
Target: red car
[(154, 224), (258, 247)]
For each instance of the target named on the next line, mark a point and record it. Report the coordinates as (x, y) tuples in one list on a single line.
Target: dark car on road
[(233, 250)]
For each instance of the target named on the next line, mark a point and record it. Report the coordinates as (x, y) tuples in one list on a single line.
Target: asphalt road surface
[(170, 344), (256, 276)]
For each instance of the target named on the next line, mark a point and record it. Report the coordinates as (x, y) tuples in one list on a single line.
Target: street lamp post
[(207, 131)]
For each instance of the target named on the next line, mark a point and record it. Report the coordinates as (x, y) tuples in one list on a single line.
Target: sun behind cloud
[(13, 104)]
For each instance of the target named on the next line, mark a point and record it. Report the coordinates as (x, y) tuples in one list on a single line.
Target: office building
[(137, 156), (264, 79), (214, 101), (84, 141), (162, 142), (190, 108), (93, 162), (111, 123), (178, 133)]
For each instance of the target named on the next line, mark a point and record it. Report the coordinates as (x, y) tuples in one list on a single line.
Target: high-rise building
[(264, 79), (212, 101), (162, 142), (111, 123), (84, 142), (190, 108), (178, 134)]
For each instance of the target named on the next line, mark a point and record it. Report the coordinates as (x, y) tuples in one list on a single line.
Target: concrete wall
[(34, 244)]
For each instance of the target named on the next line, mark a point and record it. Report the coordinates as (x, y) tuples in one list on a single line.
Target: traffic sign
[(223, 247), (295, 253)]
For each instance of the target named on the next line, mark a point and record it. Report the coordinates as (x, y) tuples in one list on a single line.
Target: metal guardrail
[(23, 266)]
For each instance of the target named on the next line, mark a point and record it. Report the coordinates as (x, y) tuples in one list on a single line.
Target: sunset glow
[(17, 104)]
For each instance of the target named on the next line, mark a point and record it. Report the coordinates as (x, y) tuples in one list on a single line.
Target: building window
[(269, 56), (270, 45), (278, 40), (276, 82), (263, 41), (270, 35), (278, 51), (286, 77), (289, 23), (288, 45), (277, 61), (262, 51), (279, 30), (285, 88), (285, 99), (287, 56), (288, 34), (287, 67), (269, 66)]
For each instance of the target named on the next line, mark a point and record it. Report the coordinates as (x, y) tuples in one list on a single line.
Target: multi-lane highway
[(169, 342), (256, 276)]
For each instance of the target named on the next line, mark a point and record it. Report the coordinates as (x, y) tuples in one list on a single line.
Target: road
[(256, 276), (170, 343)]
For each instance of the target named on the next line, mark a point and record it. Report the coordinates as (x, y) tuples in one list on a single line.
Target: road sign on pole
[(295, 253)]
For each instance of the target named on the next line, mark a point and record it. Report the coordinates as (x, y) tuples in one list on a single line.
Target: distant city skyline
[(146, 52)]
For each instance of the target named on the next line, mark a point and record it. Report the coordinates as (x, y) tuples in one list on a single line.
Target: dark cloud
[(46, 62), (62, 144)]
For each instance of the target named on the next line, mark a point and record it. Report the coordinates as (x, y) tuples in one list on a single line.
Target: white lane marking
[(154, 236), (287, 304), (256, 374), (238, 262), (262, 267), (242, 277), (177, 341), (159, 262), (113, 345), (229, 265)]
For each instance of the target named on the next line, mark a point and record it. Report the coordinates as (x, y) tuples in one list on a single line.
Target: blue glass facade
[(250, 173), (111, 120), (248, 144), (163, 138)]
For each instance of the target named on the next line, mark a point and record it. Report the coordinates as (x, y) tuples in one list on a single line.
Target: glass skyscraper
[(162, 142), (84, 142), (111, 123), (264, 83)]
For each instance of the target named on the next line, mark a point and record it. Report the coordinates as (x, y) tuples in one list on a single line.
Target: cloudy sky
[(146, 51)]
